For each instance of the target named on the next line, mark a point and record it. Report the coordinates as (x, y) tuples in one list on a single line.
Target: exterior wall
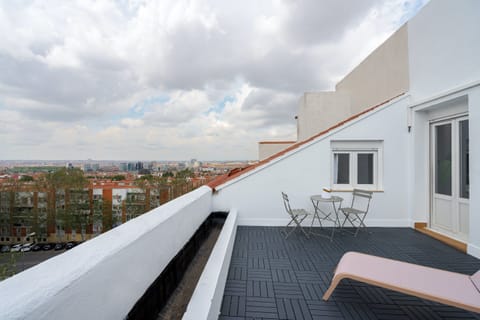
[(64, 284), (422, 115), (444, 46), (266, 149), (467, 100), (318, 111), (382, 75), (304, 171), (474, 118)]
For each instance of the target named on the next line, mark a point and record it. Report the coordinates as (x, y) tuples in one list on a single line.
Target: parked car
[(37, 247), (26, 247), (59, 246), (47, 246), (70, 245), (5, 248), (16, 247)]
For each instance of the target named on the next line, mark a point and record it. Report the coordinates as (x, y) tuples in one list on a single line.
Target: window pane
[(464, 160), (443, 159), (342, 168), (365, 168)]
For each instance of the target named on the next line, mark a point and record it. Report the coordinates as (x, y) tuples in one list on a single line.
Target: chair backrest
[(361, 199), (286, 203)]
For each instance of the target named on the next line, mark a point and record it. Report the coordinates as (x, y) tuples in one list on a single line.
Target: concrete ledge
[(207, 297)]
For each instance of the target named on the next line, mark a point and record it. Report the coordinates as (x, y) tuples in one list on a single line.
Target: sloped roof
[(235, 173)]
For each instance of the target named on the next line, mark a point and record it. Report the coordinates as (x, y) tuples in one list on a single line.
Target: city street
[(25, 260)]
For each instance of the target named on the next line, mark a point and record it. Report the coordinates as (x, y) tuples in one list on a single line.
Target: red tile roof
[(235, 173)]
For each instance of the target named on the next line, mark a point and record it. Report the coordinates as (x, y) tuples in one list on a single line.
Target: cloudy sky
[(173, 80)]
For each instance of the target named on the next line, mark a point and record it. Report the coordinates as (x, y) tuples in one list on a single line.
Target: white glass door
[(450, 177)]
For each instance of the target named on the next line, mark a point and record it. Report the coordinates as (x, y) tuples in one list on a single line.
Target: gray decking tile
[(271, 277)]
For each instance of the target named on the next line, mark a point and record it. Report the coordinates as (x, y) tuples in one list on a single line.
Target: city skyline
[(173, 80)]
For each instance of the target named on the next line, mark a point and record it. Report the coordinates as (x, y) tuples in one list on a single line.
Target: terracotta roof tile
[(236, 172)]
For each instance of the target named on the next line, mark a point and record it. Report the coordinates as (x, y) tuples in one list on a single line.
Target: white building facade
[(419, 152)]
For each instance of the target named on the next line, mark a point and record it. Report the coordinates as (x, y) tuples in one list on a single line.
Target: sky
[(173, 80)]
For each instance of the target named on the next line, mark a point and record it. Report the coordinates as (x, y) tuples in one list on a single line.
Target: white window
[(357, 164)]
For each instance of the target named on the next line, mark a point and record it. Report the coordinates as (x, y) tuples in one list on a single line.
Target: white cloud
[(131, 123), (178, 79)]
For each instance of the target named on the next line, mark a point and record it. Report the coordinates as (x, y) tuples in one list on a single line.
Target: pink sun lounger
[(450, 288)]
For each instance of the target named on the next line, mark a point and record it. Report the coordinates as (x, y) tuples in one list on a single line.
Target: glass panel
[(443, 159), (365, 168), (341, 168), (464, 160)]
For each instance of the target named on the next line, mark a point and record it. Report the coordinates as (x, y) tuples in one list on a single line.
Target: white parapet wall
[(104, 277), (207, 297), (269, 148)]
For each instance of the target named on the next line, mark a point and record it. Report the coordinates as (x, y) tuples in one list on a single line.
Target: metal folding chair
[(356, 213), (296, 216)]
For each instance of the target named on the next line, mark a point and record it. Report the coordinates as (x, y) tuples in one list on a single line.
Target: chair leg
[(333, 285), (358, 229), (346, 217), (286, 227), (315, 215), (298, 223), (351, 221), (289, 233), (361, 224)]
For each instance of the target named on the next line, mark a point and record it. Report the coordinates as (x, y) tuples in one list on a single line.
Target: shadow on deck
[(271, 277)]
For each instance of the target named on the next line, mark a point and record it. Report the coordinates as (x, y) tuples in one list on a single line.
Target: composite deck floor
[(271, 277)]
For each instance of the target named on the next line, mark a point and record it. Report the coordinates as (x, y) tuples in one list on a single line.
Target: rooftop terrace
[(271, 277)]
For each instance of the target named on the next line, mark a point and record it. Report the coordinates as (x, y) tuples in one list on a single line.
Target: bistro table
[(332, 216)]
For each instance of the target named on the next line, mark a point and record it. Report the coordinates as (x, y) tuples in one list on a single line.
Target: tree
[(108, 220), (97, 214), (26, 178), (183, 174), (71, 178), (8, 263), (118, 177), (71, 212), (167, 174)]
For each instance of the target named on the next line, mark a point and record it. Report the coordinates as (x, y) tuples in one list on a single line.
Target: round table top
[(319, 197)]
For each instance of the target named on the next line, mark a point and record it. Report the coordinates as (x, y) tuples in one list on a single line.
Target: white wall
[(474, 127), (444, 47), (458, 102), (266, 149), (304, 171), (318, 111), (104, 277), (444, 51), (380, 76), (420, 167)]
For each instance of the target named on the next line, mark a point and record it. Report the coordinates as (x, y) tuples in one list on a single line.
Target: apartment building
[(75, 214)]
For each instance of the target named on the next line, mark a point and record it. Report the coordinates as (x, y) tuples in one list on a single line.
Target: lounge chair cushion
[(434, 284), (476, 280)]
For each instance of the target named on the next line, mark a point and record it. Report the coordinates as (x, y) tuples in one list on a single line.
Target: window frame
[(353, 148)]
